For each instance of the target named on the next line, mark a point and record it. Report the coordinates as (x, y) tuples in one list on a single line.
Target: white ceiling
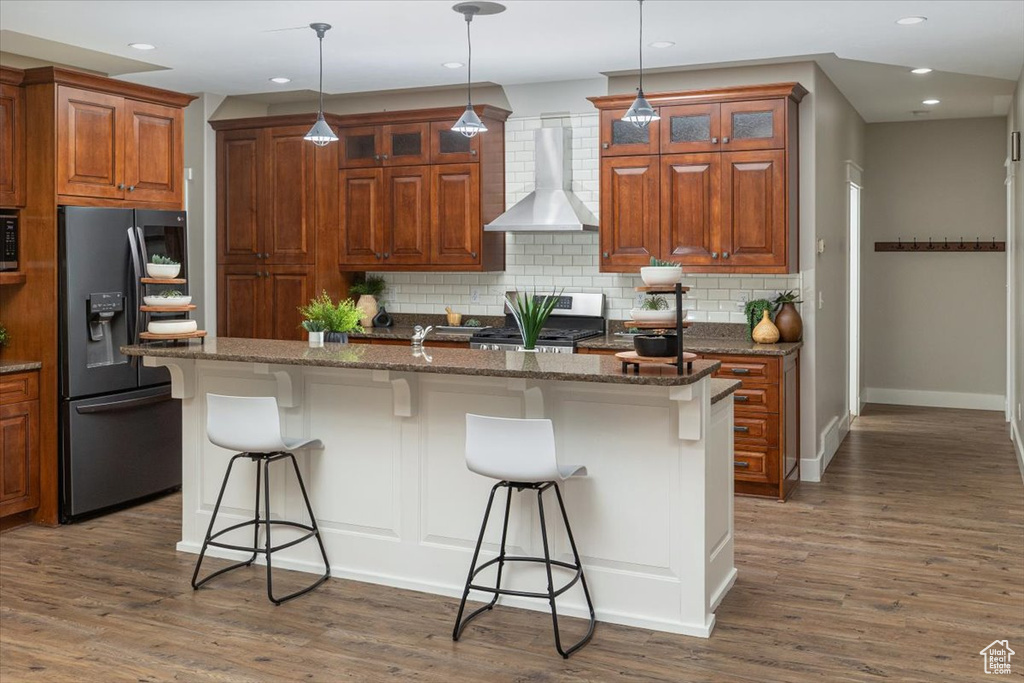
[(232, 48)]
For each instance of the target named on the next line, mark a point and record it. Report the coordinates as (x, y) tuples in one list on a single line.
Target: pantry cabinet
[(724, 167), (12, 138)]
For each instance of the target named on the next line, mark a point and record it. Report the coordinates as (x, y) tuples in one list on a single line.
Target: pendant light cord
[(641, 45), (321, 37), (469, 65)]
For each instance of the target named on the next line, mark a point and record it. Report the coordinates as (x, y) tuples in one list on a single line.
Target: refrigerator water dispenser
[(103, 307)]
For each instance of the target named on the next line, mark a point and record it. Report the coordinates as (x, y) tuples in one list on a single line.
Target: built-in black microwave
[(8, 242)]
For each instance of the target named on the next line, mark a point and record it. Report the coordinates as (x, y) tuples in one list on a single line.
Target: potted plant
[(654, 309), (168, 297), (316, 329), (661, 273), (530, 312), (368, 289), (759, 322), (162, 267), (660, 342), (787, 318), (338, 318), (3, 336)]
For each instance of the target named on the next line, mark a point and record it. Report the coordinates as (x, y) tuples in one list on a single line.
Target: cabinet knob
[(604, 145), (131, 188), (266, 273), (472, 254), (714, 141), (605, 255), (377, 255), (376, 157), (725, 254), (385, 157), (120, 186), (725, 139), (740, 463), (472, 152), (714, 254), (387, 255), (259, 274)]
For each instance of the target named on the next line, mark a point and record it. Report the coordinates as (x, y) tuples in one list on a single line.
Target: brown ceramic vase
[(791, 326)]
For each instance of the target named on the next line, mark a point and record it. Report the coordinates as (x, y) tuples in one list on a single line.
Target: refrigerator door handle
[(115, 406), (136, 287)]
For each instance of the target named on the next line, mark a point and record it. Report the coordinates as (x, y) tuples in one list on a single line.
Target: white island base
[(396, 505)]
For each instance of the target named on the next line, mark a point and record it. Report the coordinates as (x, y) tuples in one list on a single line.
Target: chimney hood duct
[(551, 207)]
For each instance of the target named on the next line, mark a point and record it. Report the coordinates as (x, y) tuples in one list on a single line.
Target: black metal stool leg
[(501, 550), (256, 519), (312, 519), (459, 623), (209, 531), (583, 578), (547, 568), (269, 550)]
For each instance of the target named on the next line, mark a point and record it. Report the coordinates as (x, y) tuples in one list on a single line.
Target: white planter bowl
[(641, 315), (183, 300), (660, 276), (163, 271), (172, 326)]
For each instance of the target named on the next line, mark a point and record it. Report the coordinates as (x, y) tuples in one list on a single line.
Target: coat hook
[(945, 243), (915, 244), (977, 243), (929, 243), (899, 242)]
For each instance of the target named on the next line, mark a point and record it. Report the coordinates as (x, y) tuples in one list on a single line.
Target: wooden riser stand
[(182, 311), (683, 361)]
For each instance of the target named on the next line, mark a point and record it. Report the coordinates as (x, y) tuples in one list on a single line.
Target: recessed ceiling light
[(142, 46), (932, 101), (910, 21), (662, 43), (453, 65), (921, 70), (280, 80)]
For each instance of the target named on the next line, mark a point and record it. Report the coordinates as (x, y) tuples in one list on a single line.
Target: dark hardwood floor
[(901, 565)]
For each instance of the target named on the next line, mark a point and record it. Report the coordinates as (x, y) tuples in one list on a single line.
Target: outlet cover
[(474, 295)]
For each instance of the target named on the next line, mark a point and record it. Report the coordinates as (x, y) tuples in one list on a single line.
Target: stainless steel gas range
[(576, 316)]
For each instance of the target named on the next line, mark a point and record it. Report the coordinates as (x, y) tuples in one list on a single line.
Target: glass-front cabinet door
[(690, 128), (450, 147), (406, 144), (760, 124), (360, 147), (622, 138)]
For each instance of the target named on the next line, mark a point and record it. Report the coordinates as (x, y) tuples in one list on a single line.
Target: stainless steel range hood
[(551, 207)]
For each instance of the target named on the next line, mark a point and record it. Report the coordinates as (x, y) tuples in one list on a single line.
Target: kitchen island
[(397, 506)]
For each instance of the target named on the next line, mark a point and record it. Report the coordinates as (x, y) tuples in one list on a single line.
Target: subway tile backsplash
[(546, 261)]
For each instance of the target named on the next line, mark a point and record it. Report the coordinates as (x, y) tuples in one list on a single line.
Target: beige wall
[(1016, 123), (935, 322)]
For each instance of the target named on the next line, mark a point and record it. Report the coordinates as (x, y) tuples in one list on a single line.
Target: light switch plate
[(821, 246)]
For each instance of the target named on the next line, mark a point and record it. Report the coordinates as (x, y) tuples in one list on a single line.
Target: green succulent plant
[(754, 311), (658, 263), (3, 335), (787, 297), (655, 303), (161, 260), (314, 325), (338, 317), (531, 311), (167, 293), (472, 322)]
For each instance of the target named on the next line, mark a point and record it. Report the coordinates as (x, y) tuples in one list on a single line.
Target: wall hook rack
[(977, 244)]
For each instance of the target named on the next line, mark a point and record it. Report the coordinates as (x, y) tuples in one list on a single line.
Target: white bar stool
[(252, 426), (520, 453)]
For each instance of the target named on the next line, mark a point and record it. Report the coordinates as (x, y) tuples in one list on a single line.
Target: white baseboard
[(811, 469), (935, 399), (1018, 447)]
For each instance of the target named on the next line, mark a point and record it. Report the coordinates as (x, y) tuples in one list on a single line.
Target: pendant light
[(321, 134), (641, 113), (469, 124)]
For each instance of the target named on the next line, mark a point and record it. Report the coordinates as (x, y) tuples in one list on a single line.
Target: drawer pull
[(741, 399), (737, 428), (741, 371), (740, 463)]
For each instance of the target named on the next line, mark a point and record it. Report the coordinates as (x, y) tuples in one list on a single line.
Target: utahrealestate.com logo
[(997, 657)]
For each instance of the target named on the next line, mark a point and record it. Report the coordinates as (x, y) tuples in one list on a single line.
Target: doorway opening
[(853, 287)]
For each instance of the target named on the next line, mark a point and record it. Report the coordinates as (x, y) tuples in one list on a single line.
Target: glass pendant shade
[(469, 124), (641, 113), (321, 134)]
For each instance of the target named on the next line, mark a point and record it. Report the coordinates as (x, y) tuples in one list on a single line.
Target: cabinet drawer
[(757, 398), (747, 368), (756, 429), (753, 463), (17, 387)]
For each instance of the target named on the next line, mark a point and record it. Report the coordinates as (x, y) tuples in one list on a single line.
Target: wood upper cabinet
[(361, 217), (760, 124), (630, 191), (407, 215), (360, 147), (455, 225), (690, 210), (289, 190), (19, 443), (753, 204), (90, 143), (622, 138), (12, 144), (450, 147), (261, 302), (239, 231), (729, 181), (154, 157), (406, 144), (113, 147)]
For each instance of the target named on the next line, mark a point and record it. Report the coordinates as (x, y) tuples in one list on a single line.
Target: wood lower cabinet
[(12, 139), (19, 443), (728, 183), (263, 303), (630, 191)]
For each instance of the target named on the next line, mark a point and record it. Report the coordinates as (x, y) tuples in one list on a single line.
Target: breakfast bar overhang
[(396, 505)]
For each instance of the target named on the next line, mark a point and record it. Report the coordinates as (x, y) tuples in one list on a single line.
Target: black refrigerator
[(120, 430)]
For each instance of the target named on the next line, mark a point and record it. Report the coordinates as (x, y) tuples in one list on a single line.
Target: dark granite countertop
[(540, 366), (404, 332), (11, 366), (720, 388), (699, 345)]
